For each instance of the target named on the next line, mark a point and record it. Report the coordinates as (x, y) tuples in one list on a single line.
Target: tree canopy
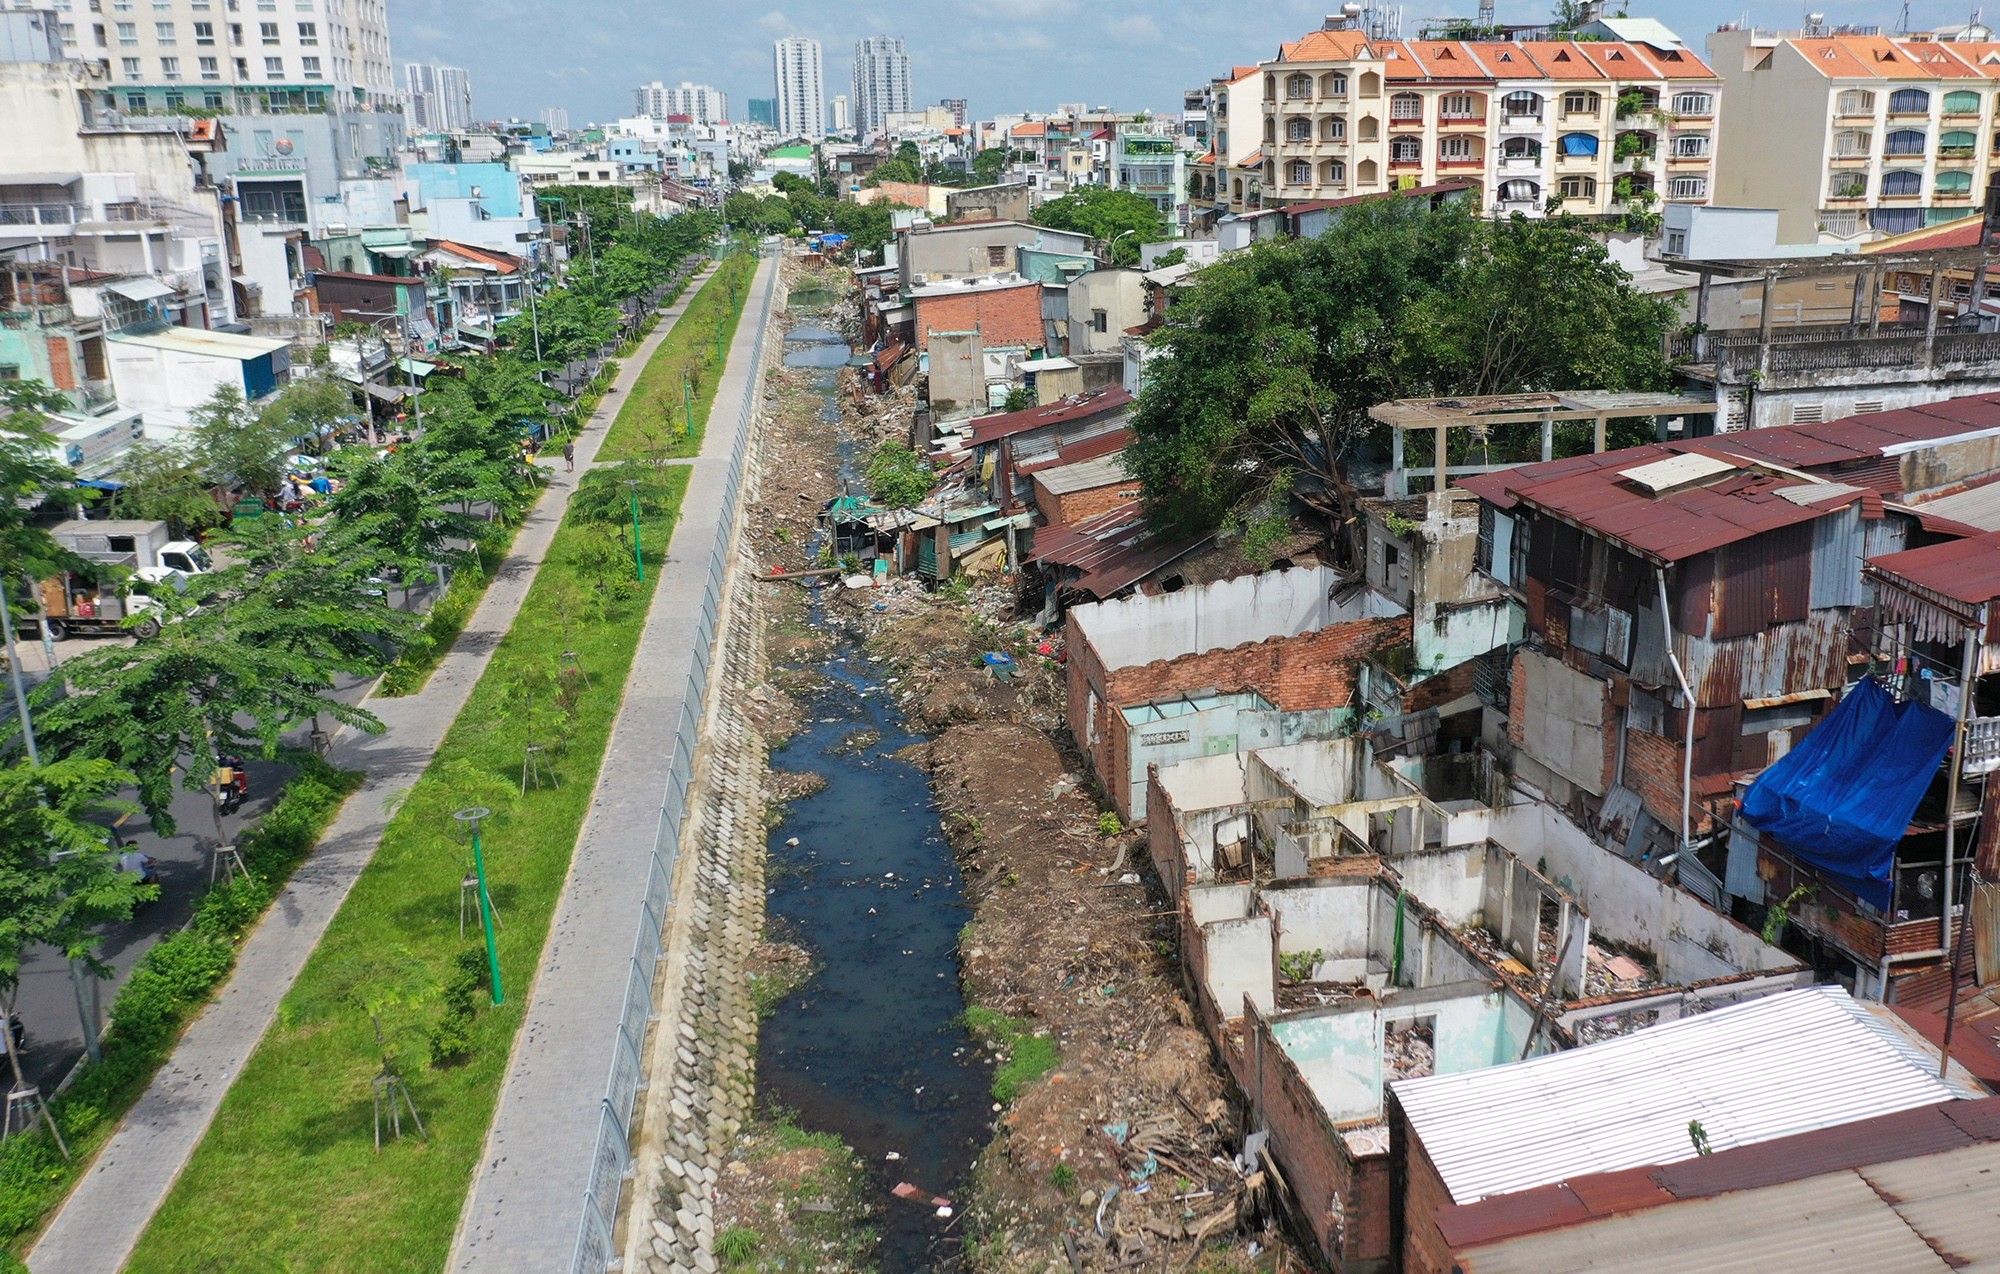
[(1117, 217), (1272, 357)]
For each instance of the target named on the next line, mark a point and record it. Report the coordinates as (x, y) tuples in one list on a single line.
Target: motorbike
[(237, 787)]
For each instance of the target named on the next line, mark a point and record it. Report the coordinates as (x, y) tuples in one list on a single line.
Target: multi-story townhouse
[(1854, 135), (1232, 169), (235, 56), (1605, 126)]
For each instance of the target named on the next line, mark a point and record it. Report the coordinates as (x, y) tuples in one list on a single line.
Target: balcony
[(1982, 746), (1462, 121), (53, 216), (1521, 123)]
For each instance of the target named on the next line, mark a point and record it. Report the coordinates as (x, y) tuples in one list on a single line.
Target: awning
[(40, 179), (388, 393), (1842, 799), (1579, 144), (399, 251), (415, 367), (148, 289), (100, 484)]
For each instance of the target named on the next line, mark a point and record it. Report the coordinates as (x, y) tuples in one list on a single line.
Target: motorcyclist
[(233, 779), (133, 859)]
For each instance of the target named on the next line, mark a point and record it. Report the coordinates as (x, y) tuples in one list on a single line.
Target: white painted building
[(881, 83), (801, 84)]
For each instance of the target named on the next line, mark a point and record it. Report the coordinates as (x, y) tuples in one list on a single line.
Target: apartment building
[(801, 87), (881, 83), (439, 97), (702, 103), (1853, 135), (1605, 126), (238, 56)]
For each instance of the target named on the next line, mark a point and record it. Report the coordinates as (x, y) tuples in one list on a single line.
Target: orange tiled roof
[(1242, 73), (1323, 46), (1255, 159)]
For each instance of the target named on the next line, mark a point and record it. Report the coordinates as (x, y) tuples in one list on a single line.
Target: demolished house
[(1340, 929), (1224, 667)]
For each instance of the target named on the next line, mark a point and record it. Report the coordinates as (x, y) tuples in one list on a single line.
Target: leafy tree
[(573, 324), (987, 166), (867, 226), (1117, 217), (236, 449), (1019, 398), (308, 410), (897, 476), (222, 676), (30, 476), (1277, 353), (160, 483), (1177, 256), (895, 168), (59, 877)]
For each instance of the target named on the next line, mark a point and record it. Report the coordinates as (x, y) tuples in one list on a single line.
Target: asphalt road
[(47, 1000)]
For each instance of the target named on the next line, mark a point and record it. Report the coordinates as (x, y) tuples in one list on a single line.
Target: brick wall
[(1311, 670), (62, 373), (1424, 1248), (1163, 842), (1355, 1238), (1087, 503), (1436, 691), (1653, 770), (1004, 316)]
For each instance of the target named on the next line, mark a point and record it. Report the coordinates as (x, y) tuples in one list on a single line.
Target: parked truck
[(140, 558)]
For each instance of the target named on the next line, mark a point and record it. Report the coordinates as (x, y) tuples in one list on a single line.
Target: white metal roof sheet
[(1979, 507), (1085, 475), (195, 340), (1771, 1067)]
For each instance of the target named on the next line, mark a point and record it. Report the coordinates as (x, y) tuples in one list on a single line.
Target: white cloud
[(777, 23), (1137, 29)]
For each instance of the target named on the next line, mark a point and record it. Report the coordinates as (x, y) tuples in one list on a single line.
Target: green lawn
[(288, 1177), (652, 421)]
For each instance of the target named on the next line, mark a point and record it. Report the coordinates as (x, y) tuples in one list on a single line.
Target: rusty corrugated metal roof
[(1097, 402), (1113, 550), (1963, 570)]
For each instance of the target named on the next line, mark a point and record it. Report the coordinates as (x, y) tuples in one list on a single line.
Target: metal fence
[(611, 1161)]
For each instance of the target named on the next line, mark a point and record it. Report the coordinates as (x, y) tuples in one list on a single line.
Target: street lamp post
[(638, 559), (687, 398), (471, 816)]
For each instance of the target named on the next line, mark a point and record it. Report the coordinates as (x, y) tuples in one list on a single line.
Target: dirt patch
[(791, 785), (791, 1200)]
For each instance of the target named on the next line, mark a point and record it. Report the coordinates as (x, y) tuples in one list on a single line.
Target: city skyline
[(1122, 53)]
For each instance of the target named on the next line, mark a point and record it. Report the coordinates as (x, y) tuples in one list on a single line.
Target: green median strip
[(652, 421), (288, 1176)]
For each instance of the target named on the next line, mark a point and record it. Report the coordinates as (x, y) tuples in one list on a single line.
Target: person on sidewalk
[(569, 457)]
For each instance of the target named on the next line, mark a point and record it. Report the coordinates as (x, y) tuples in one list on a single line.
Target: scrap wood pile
[(1183, 1189)]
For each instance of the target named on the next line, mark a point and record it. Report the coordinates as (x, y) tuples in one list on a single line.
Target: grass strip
[(1026, 1054), (651, 422), (288, 1176), (442, 624), (171, 982)]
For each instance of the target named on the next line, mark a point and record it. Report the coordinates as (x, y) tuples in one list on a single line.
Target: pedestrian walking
[(569, 457)]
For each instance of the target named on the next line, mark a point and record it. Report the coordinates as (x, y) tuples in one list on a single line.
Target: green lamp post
[(471, 817), (638, 559)]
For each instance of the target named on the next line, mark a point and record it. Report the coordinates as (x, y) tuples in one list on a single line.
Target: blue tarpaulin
[(1579, 144), (1842, 799)]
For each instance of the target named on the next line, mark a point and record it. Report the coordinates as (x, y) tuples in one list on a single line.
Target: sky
[(1000, 55)]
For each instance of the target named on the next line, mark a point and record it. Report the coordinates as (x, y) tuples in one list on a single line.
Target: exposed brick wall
[(1653, 770), (1316, 1163), (1087, 503), (1163, 842), (62, 373), (1424, 1248), (1004, 316), (1311, 670)]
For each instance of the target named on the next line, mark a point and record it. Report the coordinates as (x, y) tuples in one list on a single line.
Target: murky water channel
[(873, 1048)]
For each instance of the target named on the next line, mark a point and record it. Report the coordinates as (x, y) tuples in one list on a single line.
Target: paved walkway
[(527, 1200), (102, 1219)]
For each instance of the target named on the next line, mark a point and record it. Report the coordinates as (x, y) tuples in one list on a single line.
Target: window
[(996, 255), (1896, 220), (1958, 144), (1857, 101), (1694, 104), (131, 67), (164, 32), (174, 101), (1909, 101), (1406, 106), (1579, 188), (308, 33), (1688, 188), (212, 100), (1333, 129), (268, 32), (1100, 321), (310, 66), (1676, 244), (1902, 181), (1579, 146), (1299, 172), (1520, 148), (1520, 190), (274, 68), (170, 68), (1904, 141), (128, 33), (1691, 146), (68, 30), (1961, 103), (1406, 150), (1953, 183), (97, 30), (1337, 85), (1334, 172), (242, 68), (1298, 85), (1842, 222), (1849, 184), (1523, 103), (209, 69), (1298, 129), (1853, 145), (1461, 106), (1581, 102), (1456, 150)]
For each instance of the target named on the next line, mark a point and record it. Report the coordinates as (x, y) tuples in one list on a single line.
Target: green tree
[(236, 449), (895, 168), (573, 324), (31, 478), (1116, 217), (1276, 354), (987, 166), (897, 476), (867, 226), (59, 877), (159, 483), (309, 409)]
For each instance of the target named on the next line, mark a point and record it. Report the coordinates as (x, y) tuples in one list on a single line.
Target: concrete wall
[(958, 372), (1185, 803), (1559, 717), (1120, 294), (1248, 608)]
